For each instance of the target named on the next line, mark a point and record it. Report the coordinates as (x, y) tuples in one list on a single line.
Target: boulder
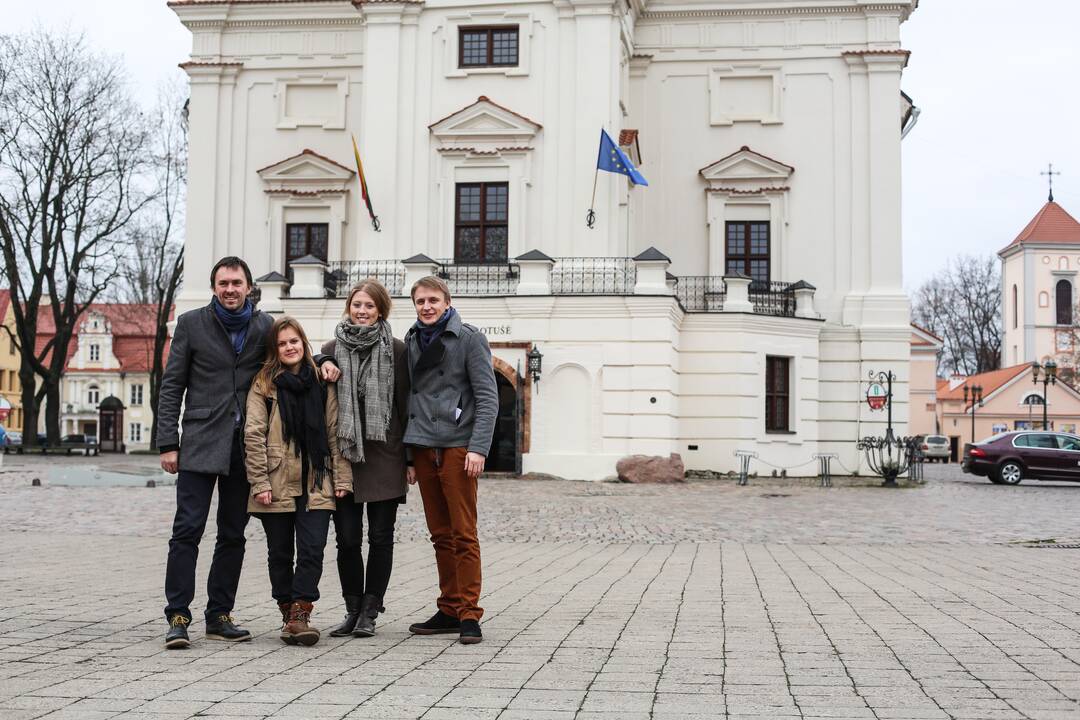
[(651, 469)]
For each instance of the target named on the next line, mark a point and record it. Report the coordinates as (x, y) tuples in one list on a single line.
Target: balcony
[(535, 273)]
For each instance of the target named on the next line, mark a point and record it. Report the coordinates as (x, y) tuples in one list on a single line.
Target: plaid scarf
[(365, 354)]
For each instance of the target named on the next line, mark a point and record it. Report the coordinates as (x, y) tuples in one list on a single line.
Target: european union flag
[(614, 160)]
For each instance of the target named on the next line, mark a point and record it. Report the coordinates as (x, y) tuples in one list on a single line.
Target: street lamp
[(976, 401), (1049, 377)]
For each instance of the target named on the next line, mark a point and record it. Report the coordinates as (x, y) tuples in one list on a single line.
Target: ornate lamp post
[(1049, 377), (889, 456), (976, 393)]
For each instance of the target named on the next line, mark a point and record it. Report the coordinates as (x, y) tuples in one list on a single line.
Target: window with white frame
[(95, 353), (136, 394), (93, 395), (135, 433)]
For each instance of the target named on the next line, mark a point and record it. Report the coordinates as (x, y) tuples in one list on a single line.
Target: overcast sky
[(996, 81)]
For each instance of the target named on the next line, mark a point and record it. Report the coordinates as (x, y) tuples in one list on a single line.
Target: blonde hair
[(431, 283), (376, 291), (272, 366)]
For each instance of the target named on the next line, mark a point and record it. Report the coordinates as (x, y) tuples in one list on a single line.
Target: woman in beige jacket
[(295, 471)]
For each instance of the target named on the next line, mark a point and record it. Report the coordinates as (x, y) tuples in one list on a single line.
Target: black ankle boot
[(370, 607), (352, 614)]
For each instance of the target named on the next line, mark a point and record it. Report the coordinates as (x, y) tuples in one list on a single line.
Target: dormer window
[(488, 46), (95, 353)]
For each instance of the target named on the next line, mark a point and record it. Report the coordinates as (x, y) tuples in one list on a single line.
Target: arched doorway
[(111, 425), (505, 454)]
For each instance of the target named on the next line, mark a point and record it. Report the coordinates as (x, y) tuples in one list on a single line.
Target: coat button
[(412, 415)]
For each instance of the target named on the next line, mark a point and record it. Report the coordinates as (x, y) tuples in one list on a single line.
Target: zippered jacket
[(453, 399)]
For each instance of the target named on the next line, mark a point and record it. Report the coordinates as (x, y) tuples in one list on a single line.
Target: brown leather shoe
[(296, 630), (284, 608)]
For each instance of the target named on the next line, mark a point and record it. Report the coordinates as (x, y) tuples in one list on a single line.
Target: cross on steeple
[(1050, 173)]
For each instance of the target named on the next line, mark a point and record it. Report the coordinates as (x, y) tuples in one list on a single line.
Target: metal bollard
[(825, 468), (744, 465)]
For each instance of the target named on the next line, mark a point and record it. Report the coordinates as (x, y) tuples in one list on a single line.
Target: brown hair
[(272, 366), (232, 262), (377, 291), (431, 283)]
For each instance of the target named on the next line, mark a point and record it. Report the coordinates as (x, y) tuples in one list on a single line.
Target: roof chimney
[(956, 381)]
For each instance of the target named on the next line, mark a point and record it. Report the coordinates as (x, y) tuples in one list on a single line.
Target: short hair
[(376, 290), (232, 262), (431, 283)]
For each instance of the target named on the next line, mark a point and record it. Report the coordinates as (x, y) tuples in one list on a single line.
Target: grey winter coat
[(206, 375), (454, 373), (382, 474)]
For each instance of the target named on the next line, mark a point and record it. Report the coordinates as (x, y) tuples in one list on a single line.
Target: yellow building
[(10, 387)]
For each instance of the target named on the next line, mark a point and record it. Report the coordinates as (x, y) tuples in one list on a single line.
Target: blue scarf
[(426, 334), (235, 321)]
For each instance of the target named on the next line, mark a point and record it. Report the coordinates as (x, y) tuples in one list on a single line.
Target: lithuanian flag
[(363, 186)]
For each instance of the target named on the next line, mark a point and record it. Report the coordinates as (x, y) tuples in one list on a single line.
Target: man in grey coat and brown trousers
[(216, 351), (453, 405)]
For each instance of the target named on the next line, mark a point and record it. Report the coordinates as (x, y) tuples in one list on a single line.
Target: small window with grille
[(777, 394), (305, 239), (488, 46)]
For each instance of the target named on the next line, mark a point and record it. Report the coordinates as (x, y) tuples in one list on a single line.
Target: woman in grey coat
[(373, 394)]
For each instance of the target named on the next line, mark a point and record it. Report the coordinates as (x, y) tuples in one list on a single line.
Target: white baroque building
[(769, 131)]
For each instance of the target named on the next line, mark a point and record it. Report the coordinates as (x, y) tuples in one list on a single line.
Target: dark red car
[(1010, 457)]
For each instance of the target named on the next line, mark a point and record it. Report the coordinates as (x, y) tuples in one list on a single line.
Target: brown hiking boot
[(296, 630), (284, 608)]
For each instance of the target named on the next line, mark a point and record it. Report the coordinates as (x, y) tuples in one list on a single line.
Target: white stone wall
[(811, 89)]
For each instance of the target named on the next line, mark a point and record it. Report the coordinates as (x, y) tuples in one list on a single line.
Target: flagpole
[(590, 217)]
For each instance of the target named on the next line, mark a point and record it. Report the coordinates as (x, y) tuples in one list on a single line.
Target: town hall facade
[(738, 302)]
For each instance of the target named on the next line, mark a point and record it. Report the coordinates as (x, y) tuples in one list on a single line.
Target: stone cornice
[(901, 9)]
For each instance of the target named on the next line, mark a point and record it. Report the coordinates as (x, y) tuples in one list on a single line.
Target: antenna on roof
[(1050, 173)]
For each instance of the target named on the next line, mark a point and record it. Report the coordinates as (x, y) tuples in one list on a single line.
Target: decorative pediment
[(485, 126), (747, 171), (307, 172)]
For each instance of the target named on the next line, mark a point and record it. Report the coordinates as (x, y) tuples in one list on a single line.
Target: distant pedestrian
[(295, 471), (373, 396), (215, 352), (453, 405)]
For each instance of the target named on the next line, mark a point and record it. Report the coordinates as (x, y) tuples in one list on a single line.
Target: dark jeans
[(306, 529), (349, 524), (193, 494)]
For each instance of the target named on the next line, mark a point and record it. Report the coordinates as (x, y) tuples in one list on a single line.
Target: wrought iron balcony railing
[(343, 274), (593, 276), (772, 298), (468, 279), (700, 293)]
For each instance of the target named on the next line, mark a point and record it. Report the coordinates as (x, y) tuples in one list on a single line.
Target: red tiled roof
[(989, 381), (132, 333), (627, 137), (5, 302), (921, 329), (1050, 225), (485, 98)]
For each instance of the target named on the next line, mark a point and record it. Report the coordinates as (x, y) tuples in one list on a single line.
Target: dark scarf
[(303, 420), (235, 321), (426, 334)]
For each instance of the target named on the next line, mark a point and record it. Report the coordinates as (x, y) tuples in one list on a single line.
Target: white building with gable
[(738, 302)]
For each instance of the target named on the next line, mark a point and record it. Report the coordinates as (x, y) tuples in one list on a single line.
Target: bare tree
[(961, 304), (71, 146), (154, 268)]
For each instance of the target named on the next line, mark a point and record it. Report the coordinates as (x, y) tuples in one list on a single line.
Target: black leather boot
[(370, 607), (352, 614), (224, 628)]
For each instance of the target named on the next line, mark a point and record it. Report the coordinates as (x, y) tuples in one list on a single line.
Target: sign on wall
[(876, 396)]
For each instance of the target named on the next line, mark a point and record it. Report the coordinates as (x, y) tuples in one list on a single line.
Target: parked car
[(935, 447), (14, 437), (1010, 457)]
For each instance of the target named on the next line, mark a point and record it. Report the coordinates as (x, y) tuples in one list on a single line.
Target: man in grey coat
[(453, 405), (216, 351)]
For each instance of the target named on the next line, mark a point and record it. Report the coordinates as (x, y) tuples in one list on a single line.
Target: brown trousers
[(450, 507)]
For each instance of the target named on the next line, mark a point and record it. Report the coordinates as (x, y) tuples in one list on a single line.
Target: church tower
[(1039, 289)]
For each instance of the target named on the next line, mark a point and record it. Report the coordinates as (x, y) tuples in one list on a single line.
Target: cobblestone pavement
[(707, 600)]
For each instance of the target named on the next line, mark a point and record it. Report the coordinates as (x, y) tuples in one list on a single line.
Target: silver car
[(936, 447)]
